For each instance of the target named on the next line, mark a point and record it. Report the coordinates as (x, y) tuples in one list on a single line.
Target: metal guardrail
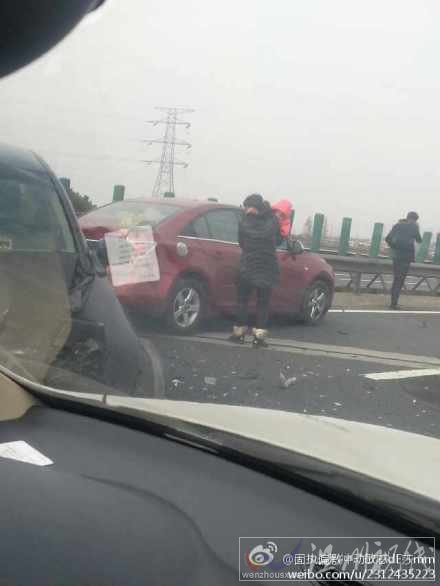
[(427, 275), (343, 244), (316, 239), (357, 266)]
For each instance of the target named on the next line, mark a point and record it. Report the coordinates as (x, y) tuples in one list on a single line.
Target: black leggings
[(400, 270), (244, 292)]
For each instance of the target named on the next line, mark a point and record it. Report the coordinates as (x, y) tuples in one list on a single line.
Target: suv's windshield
[(31, 216), (283, 259)]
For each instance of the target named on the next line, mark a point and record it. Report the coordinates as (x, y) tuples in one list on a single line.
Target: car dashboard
[(121, 506)]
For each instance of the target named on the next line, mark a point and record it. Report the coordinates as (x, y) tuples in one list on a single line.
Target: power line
[(165, 175)]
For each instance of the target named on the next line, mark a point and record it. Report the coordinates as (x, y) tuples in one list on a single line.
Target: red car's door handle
[(218, 254)]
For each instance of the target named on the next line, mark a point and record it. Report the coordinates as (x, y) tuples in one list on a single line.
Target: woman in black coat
[(258, 236)]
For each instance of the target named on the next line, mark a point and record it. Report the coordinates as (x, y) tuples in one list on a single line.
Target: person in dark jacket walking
[(402, 240), (258, 236)]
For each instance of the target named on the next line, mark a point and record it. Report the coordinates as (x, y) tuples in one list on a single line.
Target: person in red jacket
[(283, 211)]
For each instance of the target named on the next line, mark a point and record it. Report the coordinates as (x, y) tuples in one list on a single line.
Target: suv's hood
[(404, 459)]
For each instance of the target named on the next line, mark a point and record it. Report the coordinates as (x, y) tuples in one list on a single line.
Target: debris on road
[(210, 380), (176, 382), (282, 381), (285, 382)]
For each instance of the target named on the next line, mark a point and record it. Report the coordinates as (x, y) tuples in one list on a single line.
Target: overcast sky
[(334, 104)]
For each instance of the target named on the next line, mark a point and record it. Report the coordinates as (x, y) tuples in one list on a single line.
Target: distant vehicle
[(196, 244), (59, 317)]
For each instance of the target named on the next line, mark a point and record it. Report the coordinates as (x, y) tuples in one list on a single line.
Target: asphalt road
[(317, 370)]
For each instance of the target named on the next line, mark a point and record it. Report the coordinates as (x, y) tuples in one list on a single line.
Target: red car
[(196, 259)]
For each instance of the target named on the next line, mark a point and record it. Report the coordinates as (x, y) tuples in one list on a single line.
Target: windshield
[(128, 214), (283, 262)]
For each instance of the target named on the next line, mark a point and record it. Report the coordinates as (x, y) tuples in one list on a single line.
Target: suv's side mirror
[(295, 246), (101, 252), (100, 249)]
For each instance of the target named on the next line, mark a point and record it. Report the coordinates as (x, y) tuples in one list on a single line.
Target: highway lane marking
[(402, 374), (354, 350), (388, 311), (325, 350)]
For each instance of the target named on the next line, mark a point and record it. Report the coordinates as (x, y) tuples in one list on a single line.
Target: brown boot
[(238, 335), (259, 340)]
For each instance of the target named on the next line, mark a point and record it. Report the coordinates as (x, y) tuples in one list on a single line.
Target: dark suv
[(58, 311)]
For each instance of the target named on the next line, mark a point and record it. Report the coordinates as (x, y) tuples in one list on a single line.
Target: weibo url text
[(347, 575)]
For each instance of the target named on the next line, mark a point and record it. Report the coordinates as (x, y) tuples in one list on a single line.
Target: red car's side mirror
[(295, 246)]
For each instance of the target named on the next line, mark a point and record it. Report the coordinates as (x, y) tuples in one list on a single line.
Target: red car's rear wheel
[(186, 306)]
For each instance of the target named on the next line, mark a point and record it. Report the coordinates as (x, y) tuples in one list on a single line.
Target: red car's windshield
[(129, 213)]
